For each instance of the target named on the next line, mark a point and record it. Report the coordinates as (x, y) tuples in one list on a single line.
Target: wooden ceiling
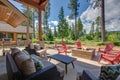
[(39, 4), (10, 15)]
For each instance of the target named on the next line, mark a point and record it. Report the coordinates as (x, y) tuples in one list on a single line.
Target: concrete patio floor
[(81, 64)]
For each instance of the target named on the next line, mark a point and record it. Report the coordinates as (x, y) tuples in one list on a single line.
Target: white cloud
[(53, 23), (112, 15), (70, 21), (112, 9), (89, 16), (113, 25)]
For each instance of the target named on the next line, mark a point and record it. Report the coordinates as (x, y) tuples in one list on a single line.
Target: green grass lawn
[(86, 42)]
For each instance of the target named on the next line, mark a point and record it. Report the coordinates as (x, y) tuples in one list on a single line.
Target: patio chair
[(61, 49), (67, 48), (107, 49), (112, 58), (78, 44)]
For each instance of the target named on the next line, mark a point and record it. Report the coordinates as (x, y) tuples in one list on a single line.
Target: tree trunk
[(102, 21), (28, 23), (75, 31)]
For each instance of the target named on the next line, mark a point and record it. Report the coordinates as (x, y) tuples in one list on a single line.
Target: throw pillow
[(25, 52), (37, 61), (20, 57), (109, 72), (27, 67), (25, 63)]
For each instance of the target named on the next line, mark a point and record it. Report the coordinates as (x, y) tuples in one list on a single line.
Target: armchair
[(78, 44), (61, 49), (107, 48), (110, 57)]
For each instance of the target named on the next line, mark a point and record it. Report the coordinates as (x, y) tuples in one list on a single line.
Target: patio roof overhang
[(38, 4), (10, 14)]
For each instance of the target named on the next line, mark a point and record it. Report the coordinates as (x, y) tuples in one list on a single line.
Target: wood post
[(39, 24), (15, 37)]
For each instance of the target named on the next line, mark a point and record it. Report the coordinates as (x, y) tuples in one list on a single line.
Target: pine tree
[(45, 19), (61, 21), (74, 7), (92, 30), (79, 28), (62, 25), (55, 31)]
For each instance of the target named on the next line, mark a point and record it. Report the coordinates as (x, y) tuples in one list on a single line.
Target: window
[(2, 35), (10, 35)]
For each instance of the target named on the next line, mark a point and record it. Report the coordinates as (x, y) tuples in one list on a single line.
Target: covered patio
[(80, 65), (10, 15)]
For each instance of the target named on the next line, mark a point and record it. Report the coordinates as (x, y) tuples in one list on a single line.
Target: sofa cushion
[(25, 63), (109, 72), (14, 51)]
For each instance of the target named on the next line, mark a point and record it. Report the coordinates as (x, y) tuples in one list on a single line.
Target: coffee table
[(64, 59)]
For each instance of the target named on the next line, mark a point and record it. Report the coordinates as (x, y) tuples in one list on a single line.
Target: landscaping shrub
[(88, 37), (117, 43)]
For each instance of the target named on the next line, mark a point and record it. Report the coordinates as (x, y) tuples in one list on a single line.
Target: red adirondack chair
[(78, 44), (107, 49), (67, 48), (112, 58), (61, 49)]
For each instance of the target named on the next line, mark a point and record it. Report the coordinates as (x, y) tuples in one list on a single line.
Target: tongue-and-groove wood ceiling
[(10, 14)]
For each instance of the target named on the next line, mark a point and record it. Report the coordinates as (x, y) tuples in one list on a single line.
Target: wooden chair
[(110, 57), (107, 49), (78, 44), (61, 49)]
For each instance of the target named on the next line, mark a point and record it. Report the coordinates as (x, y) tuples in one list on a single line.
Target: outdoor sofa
[(48, 72)]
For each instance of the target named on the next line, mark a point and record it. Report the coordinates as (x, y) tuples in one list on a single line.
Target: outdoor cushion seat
[(111, 72), (48, 72)]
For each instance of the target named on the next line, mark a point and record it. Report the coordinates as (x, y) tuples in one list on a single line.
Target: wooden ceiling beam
[(40, 5), (29, 2), (43, 4)]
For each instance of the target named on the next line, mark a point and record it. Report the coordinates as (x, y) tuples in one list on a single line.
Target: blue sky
[(86, 13), (56, 5)]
